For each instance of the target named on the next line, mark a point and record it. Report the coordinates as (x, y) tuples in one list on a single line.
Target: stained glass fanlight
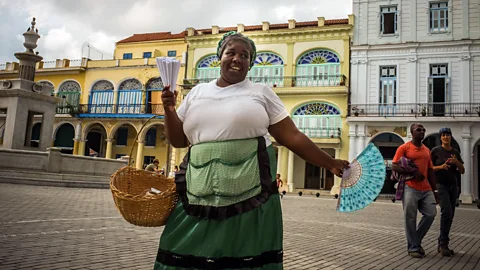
[(268, 59), (210, 61), (318, 57)]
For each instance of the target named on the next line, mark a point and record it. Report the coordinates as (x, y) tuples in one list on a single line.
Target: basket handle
[(136, 138)]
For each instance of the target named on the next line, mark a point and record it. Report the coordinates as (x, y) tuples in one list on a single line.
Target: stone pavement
[(70, 228)]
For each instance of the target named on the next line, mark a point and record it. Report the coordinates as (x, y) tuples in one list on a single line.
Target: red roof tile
[(169, 35), (153, 36)]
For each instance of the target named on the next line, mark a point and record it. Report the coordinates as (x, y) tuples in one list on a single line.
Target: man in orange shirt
[(418, 195)]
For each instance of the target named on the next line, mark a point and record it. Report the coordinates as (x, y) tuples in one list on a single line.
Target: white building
[(417, 61)]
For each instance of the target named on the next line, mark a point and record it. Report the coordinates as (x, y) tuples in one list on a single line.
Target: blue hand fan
[(362, 181)]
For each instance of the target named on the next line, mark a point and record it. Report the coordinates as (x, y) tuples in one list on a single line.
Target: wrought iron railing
[(283, 81), (416, 109), (321, 133), (111, 109)]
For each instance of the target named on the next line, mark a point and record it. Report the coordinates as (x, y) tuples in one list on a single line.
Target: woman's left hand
[(338, 167)]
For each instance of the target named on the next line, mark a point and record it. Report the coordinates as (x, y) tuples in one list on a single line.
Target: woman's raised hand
[(169, 99)]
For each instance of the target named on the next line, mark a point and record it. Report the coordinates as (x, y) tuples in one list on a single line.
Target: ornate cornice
[(330, 33)]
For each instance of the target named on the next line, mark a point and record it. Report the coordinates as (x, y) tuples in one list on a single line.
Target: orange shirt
[(421, 157)]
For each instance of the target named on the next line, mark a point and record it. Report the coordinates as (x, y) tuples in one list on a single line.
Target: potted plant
[(355, 110), (424, 110)]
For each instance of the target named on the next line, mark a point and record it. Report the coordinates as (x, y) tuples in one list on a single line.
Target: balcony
[(111, 110), (416, 109), (283, 81), (321, 133)]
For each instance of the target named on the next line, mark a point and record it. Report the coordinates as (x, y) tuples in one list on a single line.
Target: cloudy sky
[(66, 26)]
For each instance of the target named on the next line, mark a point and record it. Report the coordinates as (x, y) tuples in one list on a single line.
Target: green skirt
[(215, 230)]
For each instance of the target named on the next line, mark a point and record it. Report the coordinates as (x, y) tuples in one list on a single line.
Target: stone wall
[(53, 161)]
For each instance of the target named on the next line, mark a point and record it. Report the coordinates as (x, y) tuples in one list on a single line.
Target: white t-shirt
[(240, 111)]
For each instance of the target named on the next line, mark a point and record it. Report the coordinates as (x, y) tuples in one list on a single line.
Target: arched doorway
[(64, 138), (101, 97), (318, 120), (387, 143), (318, 67), (154, 89), (208, 68), (69, 92), (95, 144), (156, 147), (123, 141), (129, 99)]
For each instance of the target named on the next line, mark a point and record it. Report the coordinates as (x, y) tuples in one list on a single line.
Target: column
[(279, 159), (412, 77), (291, 160), (139, 159), (464, 80), (413, 20), (465, 17), (81, 147), (352, 133), (75, 147), (467, 183), (360, 138), (173, 158), (336, 179), (108, 154)]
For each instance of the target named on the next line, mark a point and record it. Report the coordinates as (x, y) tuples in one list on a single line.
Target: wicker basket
[(130, 188)]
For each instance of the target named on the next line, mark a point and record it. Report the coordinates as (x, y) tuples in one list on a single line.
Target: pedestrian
[(447, 163), (153, 167), (229, 213), (420, 192), (279, 184)]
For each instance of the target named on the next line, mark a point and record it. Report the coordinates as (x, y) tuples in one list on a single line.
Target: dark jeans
[(447, 196)]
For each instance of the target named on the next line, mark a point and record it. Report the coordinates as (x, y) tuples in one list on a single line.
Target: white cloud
[(285, 13), (59, 43), (65, 25)]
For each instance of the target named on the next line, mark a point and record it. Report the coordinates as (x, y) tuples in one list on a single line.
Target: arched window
[(69, 92), (208, 68), (101, 98), (318, 67), (318, 120), (130, 96), (267, 69), (154, 92)]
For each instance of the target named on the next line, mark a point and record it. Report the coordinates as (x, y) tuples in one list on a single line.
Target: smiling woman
[(229, 214)]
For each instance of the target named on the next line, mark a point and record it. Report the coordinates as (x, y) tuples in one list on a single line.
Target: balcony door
[(438, 90)]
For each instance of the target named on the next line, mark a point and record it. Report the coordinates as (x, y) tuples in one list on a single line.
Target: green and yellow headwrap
[(234, 35)]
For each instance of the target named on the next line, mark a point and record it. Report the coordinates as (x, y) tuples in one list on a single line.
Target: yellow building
[(105, 103), (307, 65)]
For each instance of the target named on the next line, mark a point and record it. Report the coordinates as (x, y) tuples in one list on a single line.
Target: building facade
[(106, 103), (307, 65), (417, 61)]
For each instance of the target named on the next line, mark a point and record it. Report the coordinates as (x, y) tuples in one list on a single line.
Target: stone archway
[(155, 146), (95, 145), (64, 137)]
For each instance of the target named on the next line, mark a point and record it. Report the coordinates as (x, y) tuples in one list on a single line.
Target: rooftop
[(169, 35)]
